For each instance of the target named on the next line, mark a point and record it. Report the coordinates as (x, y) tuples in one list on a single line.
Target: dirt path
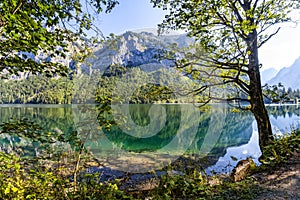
[(282, 182)]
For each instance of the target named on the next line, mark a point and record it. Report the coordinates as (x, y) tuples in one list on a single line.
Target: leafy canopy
[(229, 32), (44, 28), (225, 23)]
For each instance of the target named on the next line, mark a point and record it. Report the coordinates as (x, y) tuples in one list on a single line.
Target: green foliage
[(40, 89), (30, 140), (279, 94), (222, 25), (132, 85), (275, 93), (293, 94), (228, 35), (281, 149), (196, 186), (44, 27), (96, 190), (246, 189), (17, 181), (96, 88)]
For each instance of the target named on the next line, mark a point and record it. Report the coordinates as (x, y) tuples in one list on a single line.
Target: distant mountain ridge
[(142, 48), (133, 49), (154, 31), (267, 75), (288, 76)]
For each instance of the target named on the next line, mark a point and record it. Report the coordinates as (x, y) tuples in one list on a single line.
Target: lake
[(141, 138)]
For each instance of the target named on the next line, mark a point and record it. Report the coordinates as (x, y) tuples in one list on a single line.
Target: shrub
[(19, 182), (280, 149)]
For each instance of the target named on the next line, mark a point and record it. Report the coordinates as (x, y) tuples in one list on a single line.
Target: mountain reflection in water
[(221, 135)]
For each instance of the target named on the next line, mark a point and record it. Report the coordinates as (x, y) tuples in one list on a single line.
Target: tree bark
[(256, 97)]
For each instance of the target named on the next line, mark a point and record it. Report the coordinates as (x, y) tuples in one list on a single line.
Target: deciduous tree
[(230, 32), (44, 28)]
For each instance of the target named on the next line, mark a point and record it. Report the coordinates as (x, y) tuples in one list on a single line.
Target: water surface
[(143, 137)]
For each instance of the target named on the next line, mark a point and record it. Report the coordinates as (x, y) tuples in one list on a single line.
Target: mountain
[(267, 75), (155, 31), (135, 49), (288, 76), (139, 48)]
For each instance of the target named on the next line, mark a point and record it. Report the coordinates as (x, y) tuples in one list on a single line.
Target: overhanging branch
[(270, 36)]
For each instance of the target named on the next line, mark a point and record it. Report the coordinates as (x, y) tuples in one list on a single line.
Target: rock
[(242, 169), (143, 50), (106, 173)]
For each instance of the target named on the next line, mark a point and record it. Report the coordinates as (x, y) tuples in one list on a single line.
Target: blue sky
[(280, 51), (129, 15)]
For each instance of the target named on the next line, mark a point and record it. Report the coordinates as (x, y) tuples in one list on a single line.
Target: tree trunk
[(262, 118), (256, 97)]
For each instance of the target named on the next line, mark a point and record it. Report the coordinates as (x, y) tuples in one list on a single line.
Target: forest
[(39, 89), (90, 88)]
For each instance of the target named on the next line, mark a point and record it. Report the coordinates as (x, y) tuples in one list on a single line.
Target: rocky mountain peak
[(133, 49)]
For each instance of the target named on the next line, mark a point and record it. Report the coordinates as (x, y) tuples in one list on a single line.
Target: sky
[(130, 15), (281, 51)]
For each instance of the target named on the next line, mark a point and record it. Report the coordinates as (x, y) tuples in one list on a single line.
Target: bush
[(18, 182), (194, 186), (280, 149)]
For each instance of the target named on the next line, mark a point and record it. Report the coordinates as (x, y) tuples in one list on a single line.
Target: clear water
[(142, 137)]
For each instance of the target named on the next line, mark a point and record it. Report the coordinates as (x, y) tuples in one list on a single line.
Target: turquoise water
[(140, 130)]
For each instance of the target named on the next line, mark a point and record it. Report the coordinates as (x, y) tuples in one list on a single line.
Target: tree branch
[(270, 36), (17, 8)]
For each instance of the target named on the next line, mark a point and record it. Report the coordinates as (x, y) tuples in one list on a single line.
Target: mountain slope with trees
[(110, 59), (131, 49)]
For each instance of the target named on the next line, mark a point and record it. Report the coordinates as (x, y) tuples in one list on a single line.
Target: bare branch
[(236, 11), (17, 8), (270, 36), (255, 4), (231, 99)]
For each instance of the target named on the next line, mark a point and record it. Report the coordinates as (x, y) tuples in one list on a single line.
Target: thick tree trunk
[(262, 118), (256, 97)]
